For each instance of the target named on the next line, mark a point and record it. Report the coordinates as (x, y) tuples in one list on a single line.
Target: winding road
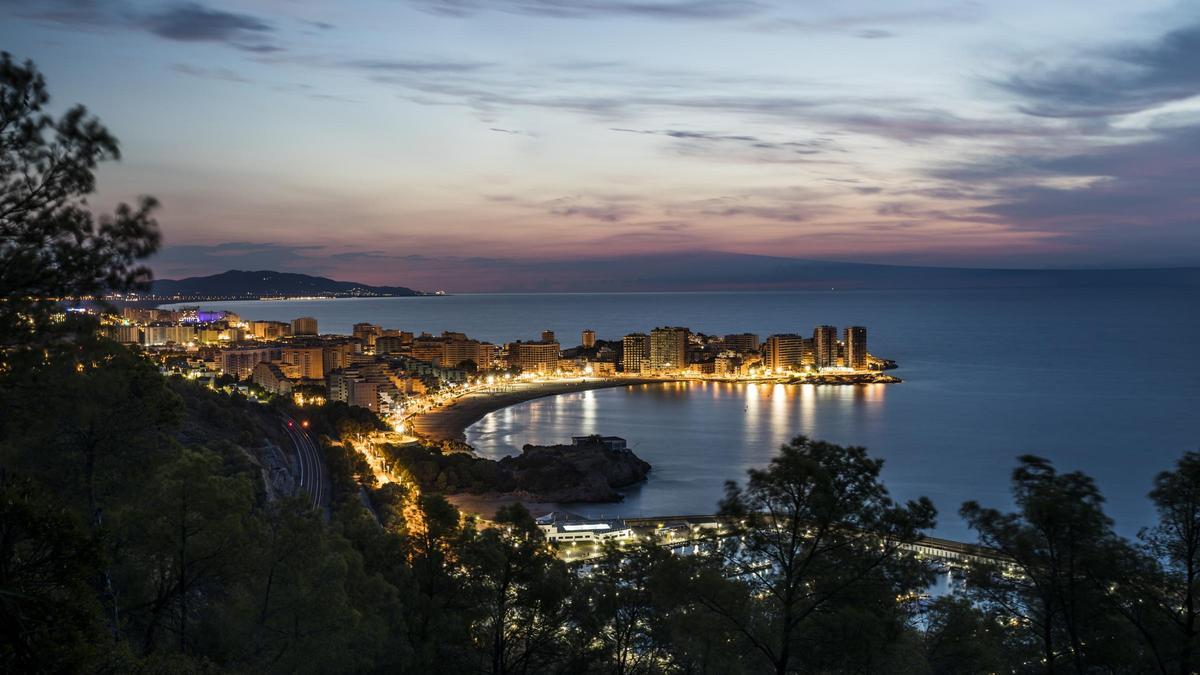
[(311, 468)]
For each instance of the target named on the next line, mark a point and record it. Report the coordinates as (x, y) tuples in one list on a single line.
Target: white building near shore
[(559, 531)]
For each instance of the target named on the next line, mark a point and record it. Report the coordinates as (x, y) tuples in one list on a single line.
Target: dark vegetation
[(564, 473), (137, 533)]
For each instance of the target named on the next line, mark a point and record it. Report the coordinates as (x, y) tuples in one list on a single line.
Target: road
[(311, 467)]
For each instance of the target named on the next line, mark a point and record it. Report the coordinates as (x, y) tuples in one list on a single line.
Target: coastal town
[(401, 375)]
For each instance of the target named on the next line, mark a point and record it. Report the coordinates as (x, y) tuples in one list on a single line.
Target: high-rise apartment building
[(742, 343), (534, 357), (426, 347), (588, 338), (547, 335), (855, 347), (825, 347), (241, 362), (309, 359), (668, 348), (784, 352), (305, 325), (455, 352), (635, 352)]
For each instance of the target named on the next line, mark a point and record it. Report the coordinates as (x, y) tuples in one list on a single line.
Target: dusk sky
[(436, 144)]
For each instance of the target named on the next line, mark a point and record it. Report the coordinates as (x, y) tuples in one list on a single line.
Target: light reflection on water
[(697, 435)]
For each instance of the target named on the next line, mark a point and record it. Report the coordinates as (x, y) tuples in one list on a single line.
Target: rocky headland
[(590, 472)]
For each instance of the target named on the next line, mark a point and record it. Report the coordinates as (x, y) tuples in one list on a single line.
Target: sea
[(1103, 381)]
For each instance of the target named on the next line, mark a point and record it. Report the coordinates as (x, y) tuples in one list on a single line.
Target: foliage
[(51, 245)]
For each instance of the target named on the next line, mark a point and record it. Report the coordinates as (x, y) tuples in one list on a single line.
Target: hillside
[(264, 283)]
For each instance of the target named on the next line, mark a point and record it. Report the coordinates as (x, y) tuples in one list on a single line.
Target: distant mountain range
[(266, 284)]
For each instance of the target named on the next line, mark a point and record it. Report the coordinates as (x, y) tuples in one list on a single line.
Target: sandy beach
[(450, 422)]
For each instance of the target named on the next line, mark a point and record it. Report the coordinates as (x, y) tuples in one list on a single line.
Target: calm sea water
[(1107, 382)]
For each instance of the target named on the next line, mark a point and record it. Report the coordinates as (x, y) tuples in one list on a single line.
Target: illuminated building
[(534, 357), (126, 334), (367, 332), (454, 352), (158, 334), (270, 330), (588, 338), (240, 362), (603, 368), (393, 344), (784, 352), (635, 352), (368, 385), (548, 335), (426, 347), (825, 347), (855, 345), (271, 378), (338, 355), (305, 325), (668, 348), (742, 343), (309, 359)]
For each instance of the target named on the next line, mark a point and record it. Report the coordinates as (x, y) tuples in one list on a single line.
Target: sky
[(441, 144)]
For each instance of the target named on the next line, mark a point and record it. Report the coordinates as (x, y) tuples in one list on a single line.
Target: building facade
[(305, 325), (668, 348), (854, 343), (635, 353), (825, 347), (742, 343), (784, 352), (534, 357)]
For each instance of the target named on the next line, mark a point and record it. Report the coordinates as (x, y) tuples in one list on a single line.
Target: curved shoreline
[(450, 422)]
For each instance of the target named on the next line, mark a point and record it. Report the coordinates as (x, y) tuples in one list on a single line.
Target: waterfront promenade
[(449, 422)]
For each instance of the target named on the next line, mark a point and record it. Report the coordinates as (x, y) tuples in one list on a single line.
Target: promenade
[(449, 422)]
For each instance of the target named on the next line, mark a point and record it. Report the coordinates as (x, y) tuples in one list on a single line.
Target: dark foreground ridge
[(253, 285)]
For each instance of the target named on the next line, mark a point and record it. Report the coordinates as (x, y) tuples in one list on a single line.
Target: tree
[(51, 244), (817, 535), (623, 607), (1171, 585), (1058, 543), (180, 544), (521, 588), (50, 620), (960, 638), (88, 422)]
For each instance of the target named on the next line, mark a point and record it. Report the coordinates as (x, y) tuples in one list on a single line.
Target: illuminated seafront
[(449, 419)]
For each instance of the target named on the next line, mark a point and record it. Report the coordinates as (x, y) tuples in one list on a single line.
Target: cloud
[(223, 74), (1115, 80), (870, 25), (608, 212), (181, 22), (739, 147), (387, 66), (192, 22), (1136, 199), (694, 10)]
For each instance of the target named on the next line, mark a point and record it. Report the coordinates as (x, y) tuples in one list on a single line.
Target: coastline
[(450, 422)]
